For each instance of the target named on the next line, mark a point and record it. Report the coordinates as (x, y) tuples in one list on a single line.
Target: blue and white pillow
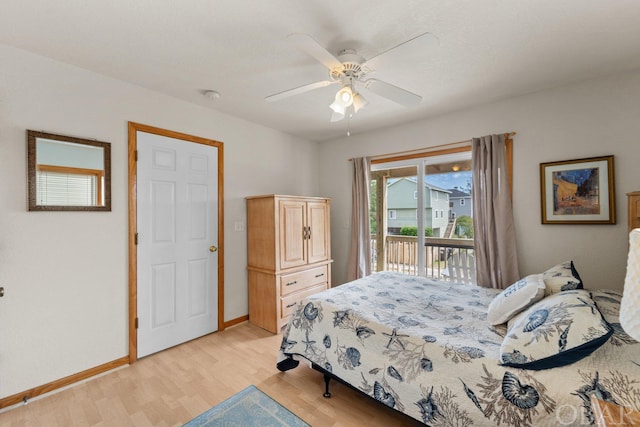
[(562, 277), (515, 298), (556, 331)]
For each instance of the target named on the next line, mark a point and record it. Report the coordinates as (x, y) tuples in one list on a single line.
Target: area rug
[(247, 408)]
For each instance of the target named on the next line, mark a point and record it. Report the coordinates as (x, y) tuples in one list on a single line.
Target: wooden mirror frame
[(32, 137)]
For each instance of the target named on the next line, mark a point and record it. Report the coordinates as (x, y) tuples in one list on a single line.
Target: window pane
[(447, 256), (394, 240), (452, 174), (60, 189)]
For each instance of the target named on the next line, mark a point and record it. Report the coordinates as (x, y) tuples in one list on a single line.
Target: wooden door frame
[(133, 226)]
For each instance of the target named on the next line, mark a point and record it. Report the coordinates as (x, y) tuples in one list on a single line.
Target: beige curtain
[(494, 234), (360, 253)]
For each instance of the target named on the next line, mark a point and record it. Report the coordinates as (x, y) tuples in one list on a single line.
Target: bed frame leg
[(327, 378)]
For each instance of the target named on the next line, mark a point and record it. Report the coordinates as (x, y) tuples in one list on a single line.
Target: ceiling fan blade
[(394, 93), (298, 90), (419, 43), (309, 45)]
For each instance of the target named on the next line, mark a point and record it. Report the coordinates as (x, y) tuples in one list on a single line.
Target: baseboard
[(236, 321), (54, 385)]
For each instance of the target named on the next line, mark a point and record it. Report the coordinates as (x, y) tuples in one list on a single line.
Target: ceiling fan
[(350, 70)]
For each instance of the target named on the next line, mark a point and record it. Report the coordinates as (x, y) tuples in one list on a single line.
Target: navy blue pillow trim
[(575, 274), (564, 358)]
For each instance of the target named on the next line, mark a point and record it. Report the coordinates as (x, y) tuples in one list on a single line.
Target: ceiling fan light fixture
[(337, 116), (344, 97), (359, 102), (338, 108)]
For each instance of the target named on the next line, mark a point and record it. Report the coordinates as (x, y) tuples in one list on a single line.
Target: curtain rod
[(427, 149)]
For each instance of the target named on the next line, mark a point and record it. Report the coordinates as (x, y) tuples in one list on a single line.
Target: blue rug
[(249, 407)]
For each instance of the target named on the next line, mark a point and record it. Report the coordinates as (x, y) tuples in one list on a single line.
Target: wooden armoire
[(289, 255), (633, 201)]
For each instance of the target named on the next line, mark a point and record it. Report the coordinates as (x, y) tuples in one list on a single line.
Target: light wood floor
[(176, 385)]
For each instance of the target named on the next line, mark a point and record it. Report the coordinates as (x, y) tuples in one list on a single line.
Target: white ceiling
[(487, 50)]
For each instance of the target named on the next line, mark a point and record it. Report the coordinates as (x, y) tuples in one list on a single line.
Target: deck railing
[(402, 255)]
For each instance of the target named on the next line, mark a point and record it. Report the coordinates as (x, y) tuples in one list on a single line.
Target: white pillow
[(516, 298)]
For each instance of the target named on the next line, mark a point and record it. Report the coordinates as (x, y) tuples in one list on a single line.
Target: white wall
[(60, 317), (65, 274), (593, 118)]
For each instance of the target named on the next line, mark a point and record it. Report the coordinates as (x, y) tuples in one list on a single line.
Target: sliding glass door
[(422, 216)]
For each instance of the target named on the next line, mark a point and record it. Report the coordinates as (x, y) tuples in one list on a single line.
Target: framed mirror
[(68, 173)]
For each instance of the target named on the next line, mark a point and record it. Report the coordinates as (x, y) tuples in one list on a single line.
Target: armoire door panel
[(318, 223), (293, 251)]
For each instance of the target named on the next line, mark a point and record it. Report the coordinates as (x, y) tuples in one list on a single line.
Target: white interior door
[(177, 227)]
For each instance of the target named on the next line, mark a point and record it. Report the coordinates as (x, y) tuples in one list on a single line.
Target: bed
[(426, 349)]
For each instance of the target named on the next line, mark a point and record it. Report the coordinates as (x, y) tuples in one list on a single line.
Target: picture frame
[(579, 191)]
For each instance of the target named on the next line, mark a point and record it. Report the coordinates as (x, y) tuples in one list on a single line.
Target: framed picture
[(578, 191)]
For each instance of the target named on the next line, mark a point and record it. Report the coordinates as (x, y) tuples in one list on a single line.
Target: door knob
[(212, 249)]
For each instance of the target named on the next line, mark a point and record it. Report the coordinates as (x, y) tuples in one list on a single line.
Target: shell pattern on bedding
[(426, 349)]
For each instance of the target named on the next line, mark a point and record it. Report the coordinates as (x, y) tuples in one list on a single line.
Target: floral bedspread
[(424, 348)]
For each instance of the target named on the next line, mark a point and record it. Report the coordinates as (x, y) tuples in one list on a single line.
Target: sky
[(449, 180)]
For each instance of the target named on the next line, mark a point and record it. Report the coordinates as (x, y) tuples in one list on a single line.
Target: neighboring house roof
[(426, 184), (455, 193)]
